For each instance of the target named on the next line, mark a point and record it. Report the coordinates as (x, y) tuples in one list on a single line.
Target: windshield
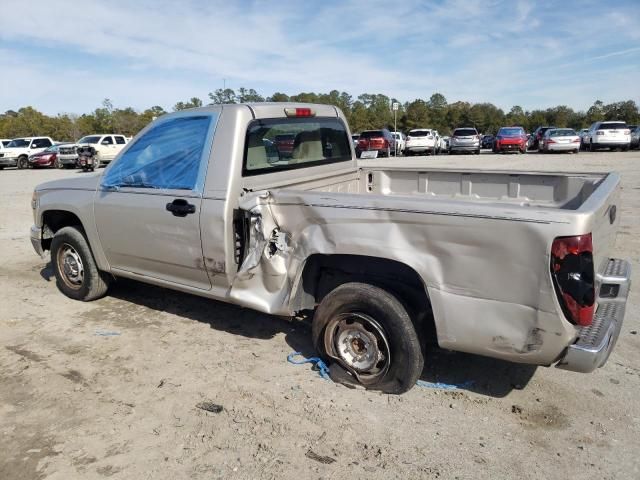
[(464, 132), (91, 139), (613, 126), (564, 132), (419, 133), (18, 143), (511, 132)]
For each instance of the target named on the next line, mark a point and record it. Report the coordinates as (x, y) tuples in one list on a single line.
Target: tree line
[(364, 112)]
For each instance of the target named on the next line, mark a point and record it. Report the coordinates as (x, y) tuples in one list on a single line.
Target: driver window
[(168, 156)]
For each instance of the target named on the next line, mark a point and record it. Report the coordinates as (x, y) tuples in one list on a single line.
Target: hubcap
[(359, 344), (70, 266)]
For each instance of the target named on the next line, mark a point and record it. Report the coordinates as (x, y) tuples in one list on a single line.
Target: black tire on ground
[(591, 147), (23, 163), (1, 167), (625, 149), (77, 275), (477, 152), (369, 319)]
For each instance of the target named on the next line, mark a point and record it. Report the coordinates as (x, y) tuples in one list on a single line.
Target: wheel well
[(54, 220), (323, 273)]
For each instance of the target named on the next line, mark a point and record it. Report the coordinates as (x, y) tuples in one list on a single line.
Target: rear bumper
[(509, 147), (611, 143), (464, 148), (562, 147), (596, 342)]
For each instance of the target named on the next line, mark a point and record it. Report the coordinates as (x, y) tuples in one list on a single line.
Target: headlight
[(35, 200)]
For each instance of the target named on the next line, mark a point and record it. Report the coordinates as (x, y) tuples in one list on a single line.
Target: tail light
[(572, 272), (550, 141), (575, 140), (627, 132), (408, 138)]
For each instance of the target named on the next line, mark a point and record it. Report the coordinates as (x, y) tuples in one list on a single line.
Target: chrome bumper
[(596, 342), (36, 239)]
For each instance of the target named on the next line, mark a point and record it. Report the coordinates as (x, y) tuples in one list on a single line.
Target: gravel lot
[(77, 404)]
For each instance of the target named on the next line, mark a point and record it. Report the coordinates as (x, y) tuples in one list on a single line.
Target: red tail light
[(572, 272), (551, 141), (299, 112), (626, 132), (577, 140)]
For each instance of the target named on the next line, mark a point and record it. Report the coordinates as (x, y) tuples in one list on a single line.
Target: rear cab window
[(278, 144), (419, 133)]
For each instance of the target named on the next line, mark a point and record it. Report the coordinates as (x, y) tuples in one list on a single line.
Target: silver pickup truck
[(382, 258)]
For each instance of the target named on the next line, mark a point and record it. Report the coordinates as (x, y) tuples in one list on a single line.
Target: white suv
[(421, 140), (107, 146), (16, 153), (613, 134)]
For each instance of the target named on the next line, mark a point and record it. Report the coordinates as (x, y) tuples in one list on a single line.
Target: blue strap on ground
[(322, 367), (444, 386)]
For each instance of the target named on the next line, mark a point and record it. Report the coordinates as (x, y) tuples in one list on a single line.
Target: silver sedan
[(560, 140)]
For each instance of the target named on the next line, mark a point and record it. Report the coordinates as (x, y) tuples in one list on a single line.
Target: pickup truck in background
[(107, 146), (383, 258)]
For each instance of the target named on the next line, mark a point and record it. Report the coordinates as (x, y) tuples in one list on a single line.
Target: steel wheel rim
[(70, 266), (359, 343)]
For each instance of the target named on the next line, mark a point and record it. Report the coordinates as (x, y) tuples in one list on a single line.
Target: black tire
[(591, 147), (67, 247), (347, 310), (477, 152), (23, 162), (1, 167)]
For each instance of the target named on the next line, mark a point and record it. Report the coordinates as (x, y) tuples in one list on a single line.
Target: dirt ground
[(109, 388)]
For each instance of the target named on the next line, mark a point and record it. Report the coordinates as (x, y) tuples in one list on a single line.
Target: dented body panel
[(479, 242)]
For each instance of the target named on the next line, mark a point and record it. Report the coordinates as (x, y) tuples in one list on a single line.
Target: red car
[(510, 139), (46, 158), (284, 144)]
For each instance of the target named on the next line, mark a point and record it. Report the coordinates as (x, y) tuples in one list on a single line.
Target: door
[(147, 208), (107, 148)]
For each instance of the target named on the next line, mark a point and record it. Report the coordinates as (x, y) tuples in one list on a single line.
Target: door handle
[(180, 207)]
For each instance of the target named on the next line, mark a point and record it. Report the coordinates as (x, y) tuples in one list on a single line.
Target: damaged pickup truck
[(383, 258)]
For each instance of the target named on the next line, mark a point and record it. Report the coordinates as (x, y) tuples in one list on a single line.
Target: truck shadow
[(481, 375)]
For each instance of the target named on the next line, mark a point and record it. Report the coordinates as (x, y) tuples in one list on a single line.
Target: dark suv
[(376, 140), (536, 137)]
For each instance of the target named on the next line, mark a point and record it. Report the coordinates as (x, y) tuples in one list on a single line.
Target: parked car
[(560, 140), (536, 136), (107, 146), (48, 157), (487, 141), (420, 140), (528, 253), (16, 152), (510, 139), (400, 141), (465, 139), (610, 134), (380, 141), (284, 144), (635, 138)]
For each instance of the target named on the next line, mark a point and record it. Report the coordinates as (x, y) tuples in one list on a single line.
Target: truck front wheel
[(77, 274), (368, 332)]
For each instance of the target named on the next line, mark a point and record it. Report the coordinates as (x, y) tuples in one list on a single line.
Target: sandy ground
[(77, 404)]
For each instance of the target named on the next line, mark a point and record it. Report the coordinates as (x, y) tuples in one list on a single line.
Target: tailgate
[(604, 208)]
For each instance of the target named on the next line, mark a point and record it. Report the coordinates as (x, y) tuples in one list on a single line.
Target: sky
[(63, 56)]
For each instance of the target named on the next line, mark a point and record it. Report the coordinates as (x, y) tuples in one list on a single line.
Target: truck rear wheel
[(77, 274), (369, 333)]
